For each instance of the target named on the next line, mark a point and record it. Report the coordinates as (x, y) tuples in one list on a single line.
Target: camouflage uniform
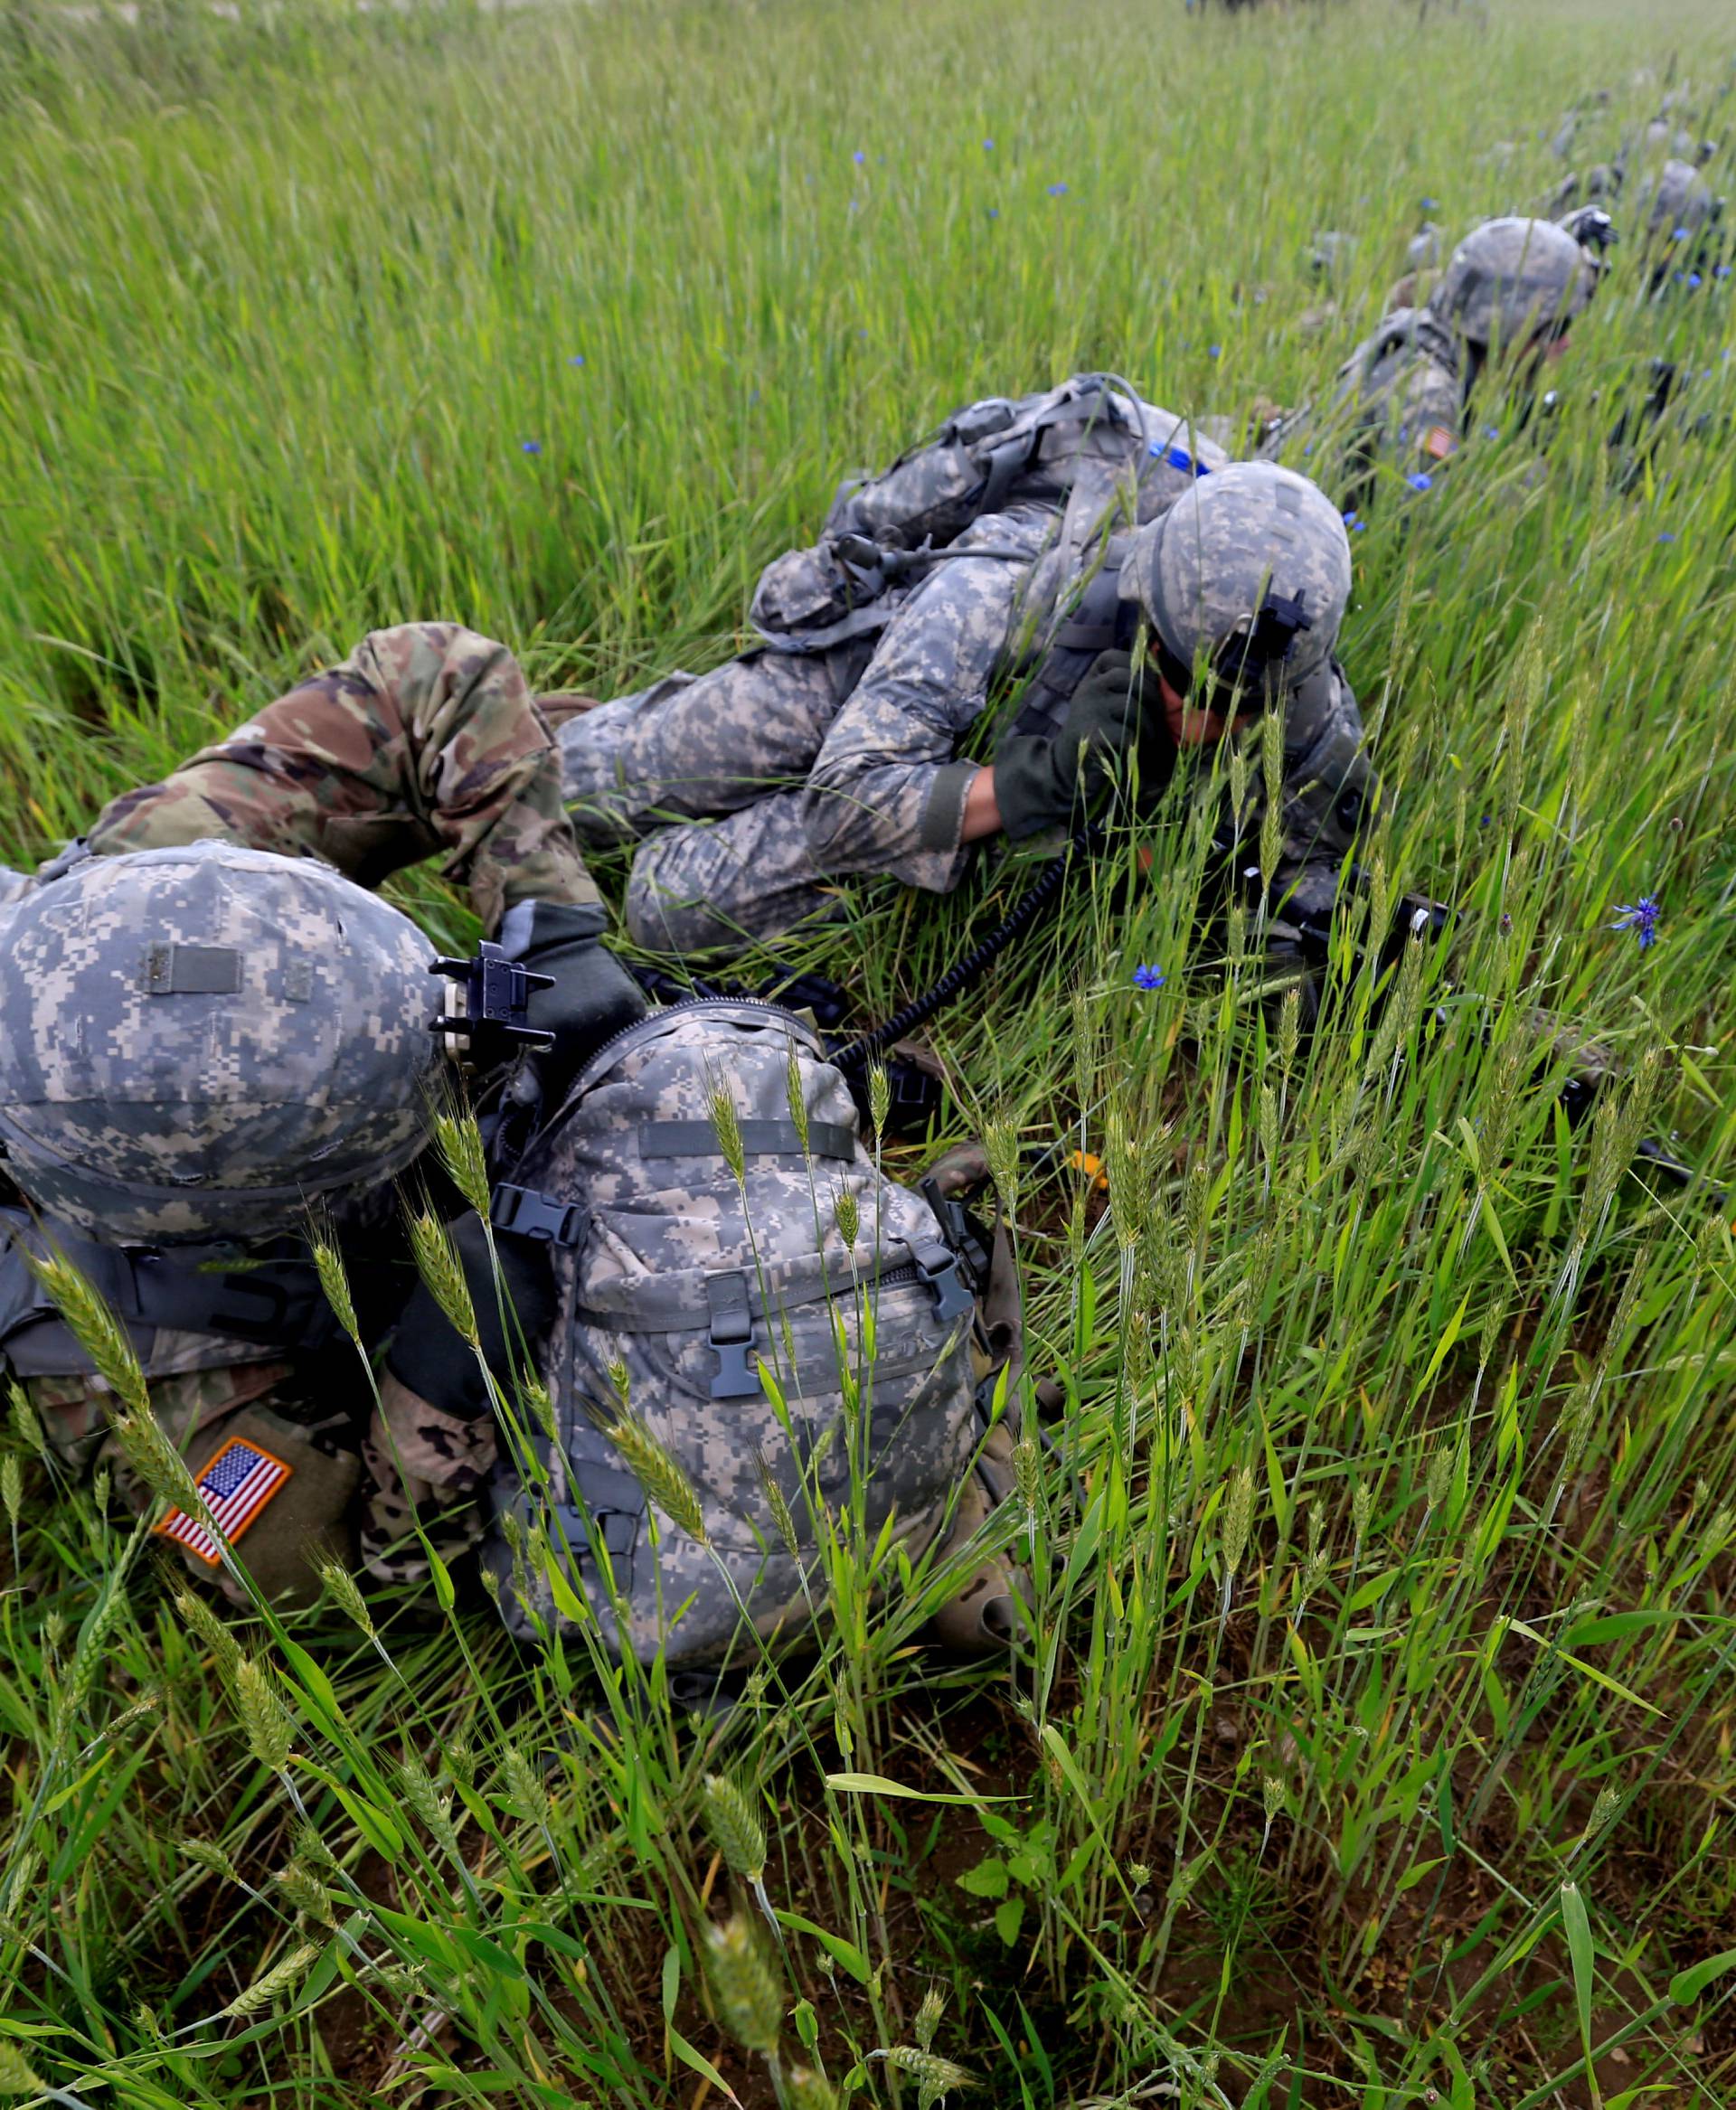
[(827, 765), (425, 742), (791, 770), (754, 787)]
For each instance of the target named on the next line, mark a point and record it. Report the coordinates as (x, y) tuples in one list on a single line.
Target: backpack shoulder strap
[(273, 1304), (1098, 621)]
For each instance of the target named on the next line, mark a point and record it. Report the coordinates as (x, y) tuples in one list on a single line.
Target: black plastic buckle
[(962, 1230), (524, 1212), (618, 1529), (731, 1336), (939, 1271), (497, 991)]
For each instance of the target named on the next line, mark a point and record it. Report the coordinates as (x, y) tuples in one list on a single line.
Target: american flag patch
[(236, 1484)]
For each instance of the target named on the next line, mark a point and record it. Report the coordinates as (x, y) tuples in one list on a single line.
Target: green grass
[(1372, 1745)]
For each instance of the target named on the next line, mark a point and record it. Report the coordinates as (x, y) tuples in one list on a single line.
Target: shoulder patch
[(238, 1481)]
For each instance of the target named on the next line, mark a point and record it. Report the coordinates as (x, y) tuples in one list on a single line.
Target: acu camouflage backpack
[(1077, 448), (793, 1330)]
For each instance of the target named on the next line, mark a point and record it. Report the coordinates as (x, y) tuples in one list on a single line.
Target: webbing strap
[(677, 1304), (273, 1304), (1095, 625), (759, 1139)]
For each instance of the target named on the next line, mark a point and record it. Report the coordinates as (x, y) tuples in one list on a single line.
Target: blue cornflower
[(578, 359), (1430, 204), (1147, 977), (1679, 235), (1665, 535), (1694, 281), (1057, 190), (533, 446), (1721, 270), (1640, 917), (1490, 432), (859, 158), (988, 146), (1308, 446), (1215, 351), (1355, 522), (993, 212), (1421, 480)]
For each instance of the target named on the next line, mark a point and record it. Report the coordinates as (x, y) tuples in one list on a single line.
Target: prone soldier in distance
[(1506, 300)]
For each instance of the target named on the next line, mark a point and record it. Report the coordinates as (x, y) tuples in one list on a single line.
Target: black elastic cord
[(960, 975)]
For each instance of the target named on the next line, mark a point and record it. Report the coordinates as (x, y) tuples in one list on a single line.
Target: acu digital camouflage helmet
[(1677, 198), (1510, 279), (1249, 570), (198, 1040)]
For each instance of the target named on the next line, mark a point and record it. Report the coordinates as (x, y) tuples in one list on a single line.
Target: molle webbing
[(759, 1139)]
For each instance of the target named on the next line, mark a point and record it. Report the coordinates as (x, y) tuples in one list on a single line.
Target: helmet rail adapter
[(1247, 573), (1511, 279), (200, 1041)]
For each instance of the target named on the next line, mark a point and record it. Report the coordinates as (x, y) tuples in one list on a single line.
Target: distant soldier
[(1509, 295), (1681, 221), (751, 790), (212, 1027)]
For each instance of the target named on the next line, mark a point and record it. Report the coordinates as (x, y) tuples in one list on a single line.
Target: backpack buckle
[(526, 1213), (938, 1268), (616, 1530), (731, 1336)]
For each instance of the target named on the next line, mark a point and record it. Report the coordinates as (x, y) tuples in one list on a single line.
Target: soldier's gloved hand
[(1043, 781), (593, 997)]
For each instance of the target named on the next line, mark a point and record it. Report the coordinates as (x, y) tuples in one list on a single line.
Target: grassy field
[(1373, 1742)]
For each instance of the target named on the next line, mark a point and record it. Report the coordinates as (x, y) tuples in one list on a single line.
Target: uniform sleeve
[(426, 742), (886, 793), (1425, 408), (1330, 792)]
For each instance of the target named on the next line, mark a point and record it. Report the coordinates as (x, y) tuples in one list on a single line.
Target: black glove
[(593, 997), (1041, 780)]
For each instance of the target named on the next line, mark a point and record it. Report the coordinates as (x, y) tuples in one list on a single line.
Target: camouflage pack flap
[(779, 1362), (1090, 436)]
